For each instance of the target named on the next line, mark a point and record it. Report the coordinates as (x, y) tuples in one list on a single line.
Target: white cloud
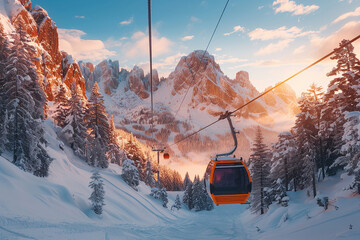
[(164, 66), (323, 28), (81, 17), (291, 6), (127, 22), (324, 45), (347, 15), (260, 7), (279, 33), (194, 19), (71, 42), (237, 28), (218, 49), (186, 38), (299, 49), (138, 35), (169, 62), (140, 45), (274, 47), (273, 63), (231, 60)]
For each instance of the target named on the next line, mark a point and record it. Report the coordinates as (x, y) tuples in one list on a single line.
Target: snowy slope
[(63, 196), (304, 219), (57, 207)]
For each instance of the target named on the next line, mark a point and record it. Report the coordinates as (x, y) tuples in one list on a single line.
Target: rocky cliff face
[(44, 35), (214, 92)]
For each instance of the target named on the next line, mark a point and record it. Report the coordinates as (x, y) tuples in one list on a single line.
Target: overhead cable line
[(202, 57), (150, 55), (227, 113)]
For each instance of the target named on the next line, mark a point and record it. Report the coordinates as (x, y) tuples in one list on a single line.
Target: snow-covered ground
[(57, 207)]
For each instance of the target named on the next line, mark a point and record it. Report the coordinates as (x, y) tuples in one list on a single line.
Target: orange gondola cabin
[(227, 179)]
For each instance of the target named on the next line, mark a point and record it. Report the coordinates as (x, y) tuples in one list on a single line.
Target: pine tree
[(149, 178), (24, 100), (260, 168), (306, 141), (98, 128), (4, 52), (188, 198), (62, 105), (133, 152), (279, 192), (160, 194), (114, 154), (200, 199), (351, 146), (130, 174), (98, 194), (347, 78), (75, 123), (283, 159), (3, 132), (315, 95), (177, 203), (96, 117), (96, 155), (187, 181), (357, 180), (342, 96)]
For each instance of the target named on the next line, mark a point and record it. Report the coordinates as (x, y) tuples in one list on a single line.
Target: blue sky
[(269, 39)]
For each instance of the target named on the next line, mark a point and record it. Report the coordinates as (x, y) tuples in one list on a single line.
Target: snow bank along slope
[(63, 196)]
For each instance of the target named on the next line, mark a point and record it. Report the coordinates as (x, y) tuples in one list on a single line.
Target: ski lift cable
[(227, 113), (150, 56), (202, 57)]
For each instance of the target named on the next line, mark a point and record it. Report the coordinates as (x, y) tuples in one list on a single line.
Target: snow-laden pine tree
[(188, 198), (198, 197), (130, 174), (279, 193), (62, 106), (306, 137), (357, 180), (187, 181), (342, 96), (149, 177), (283, 159), (98, 194), (260, 169), (170, 179), (98, 128), (177, 203), (3, 131), (96, 117), (160, 193), (24, 100), (133, 152), (351, 139), (315, 95), (114, 154), (96, 154), (4, 52), (74, 124)]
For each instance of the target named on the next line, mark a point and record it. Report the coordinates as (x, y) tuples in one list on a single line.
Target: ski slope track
[(57, 207)]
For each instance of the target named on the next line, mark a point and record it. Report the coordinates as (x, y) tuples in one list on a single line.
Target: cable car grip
[(227, 115)]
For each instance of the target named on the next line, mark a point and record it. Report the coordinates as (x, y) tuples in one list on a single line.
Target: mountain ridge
[(127, 93)]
